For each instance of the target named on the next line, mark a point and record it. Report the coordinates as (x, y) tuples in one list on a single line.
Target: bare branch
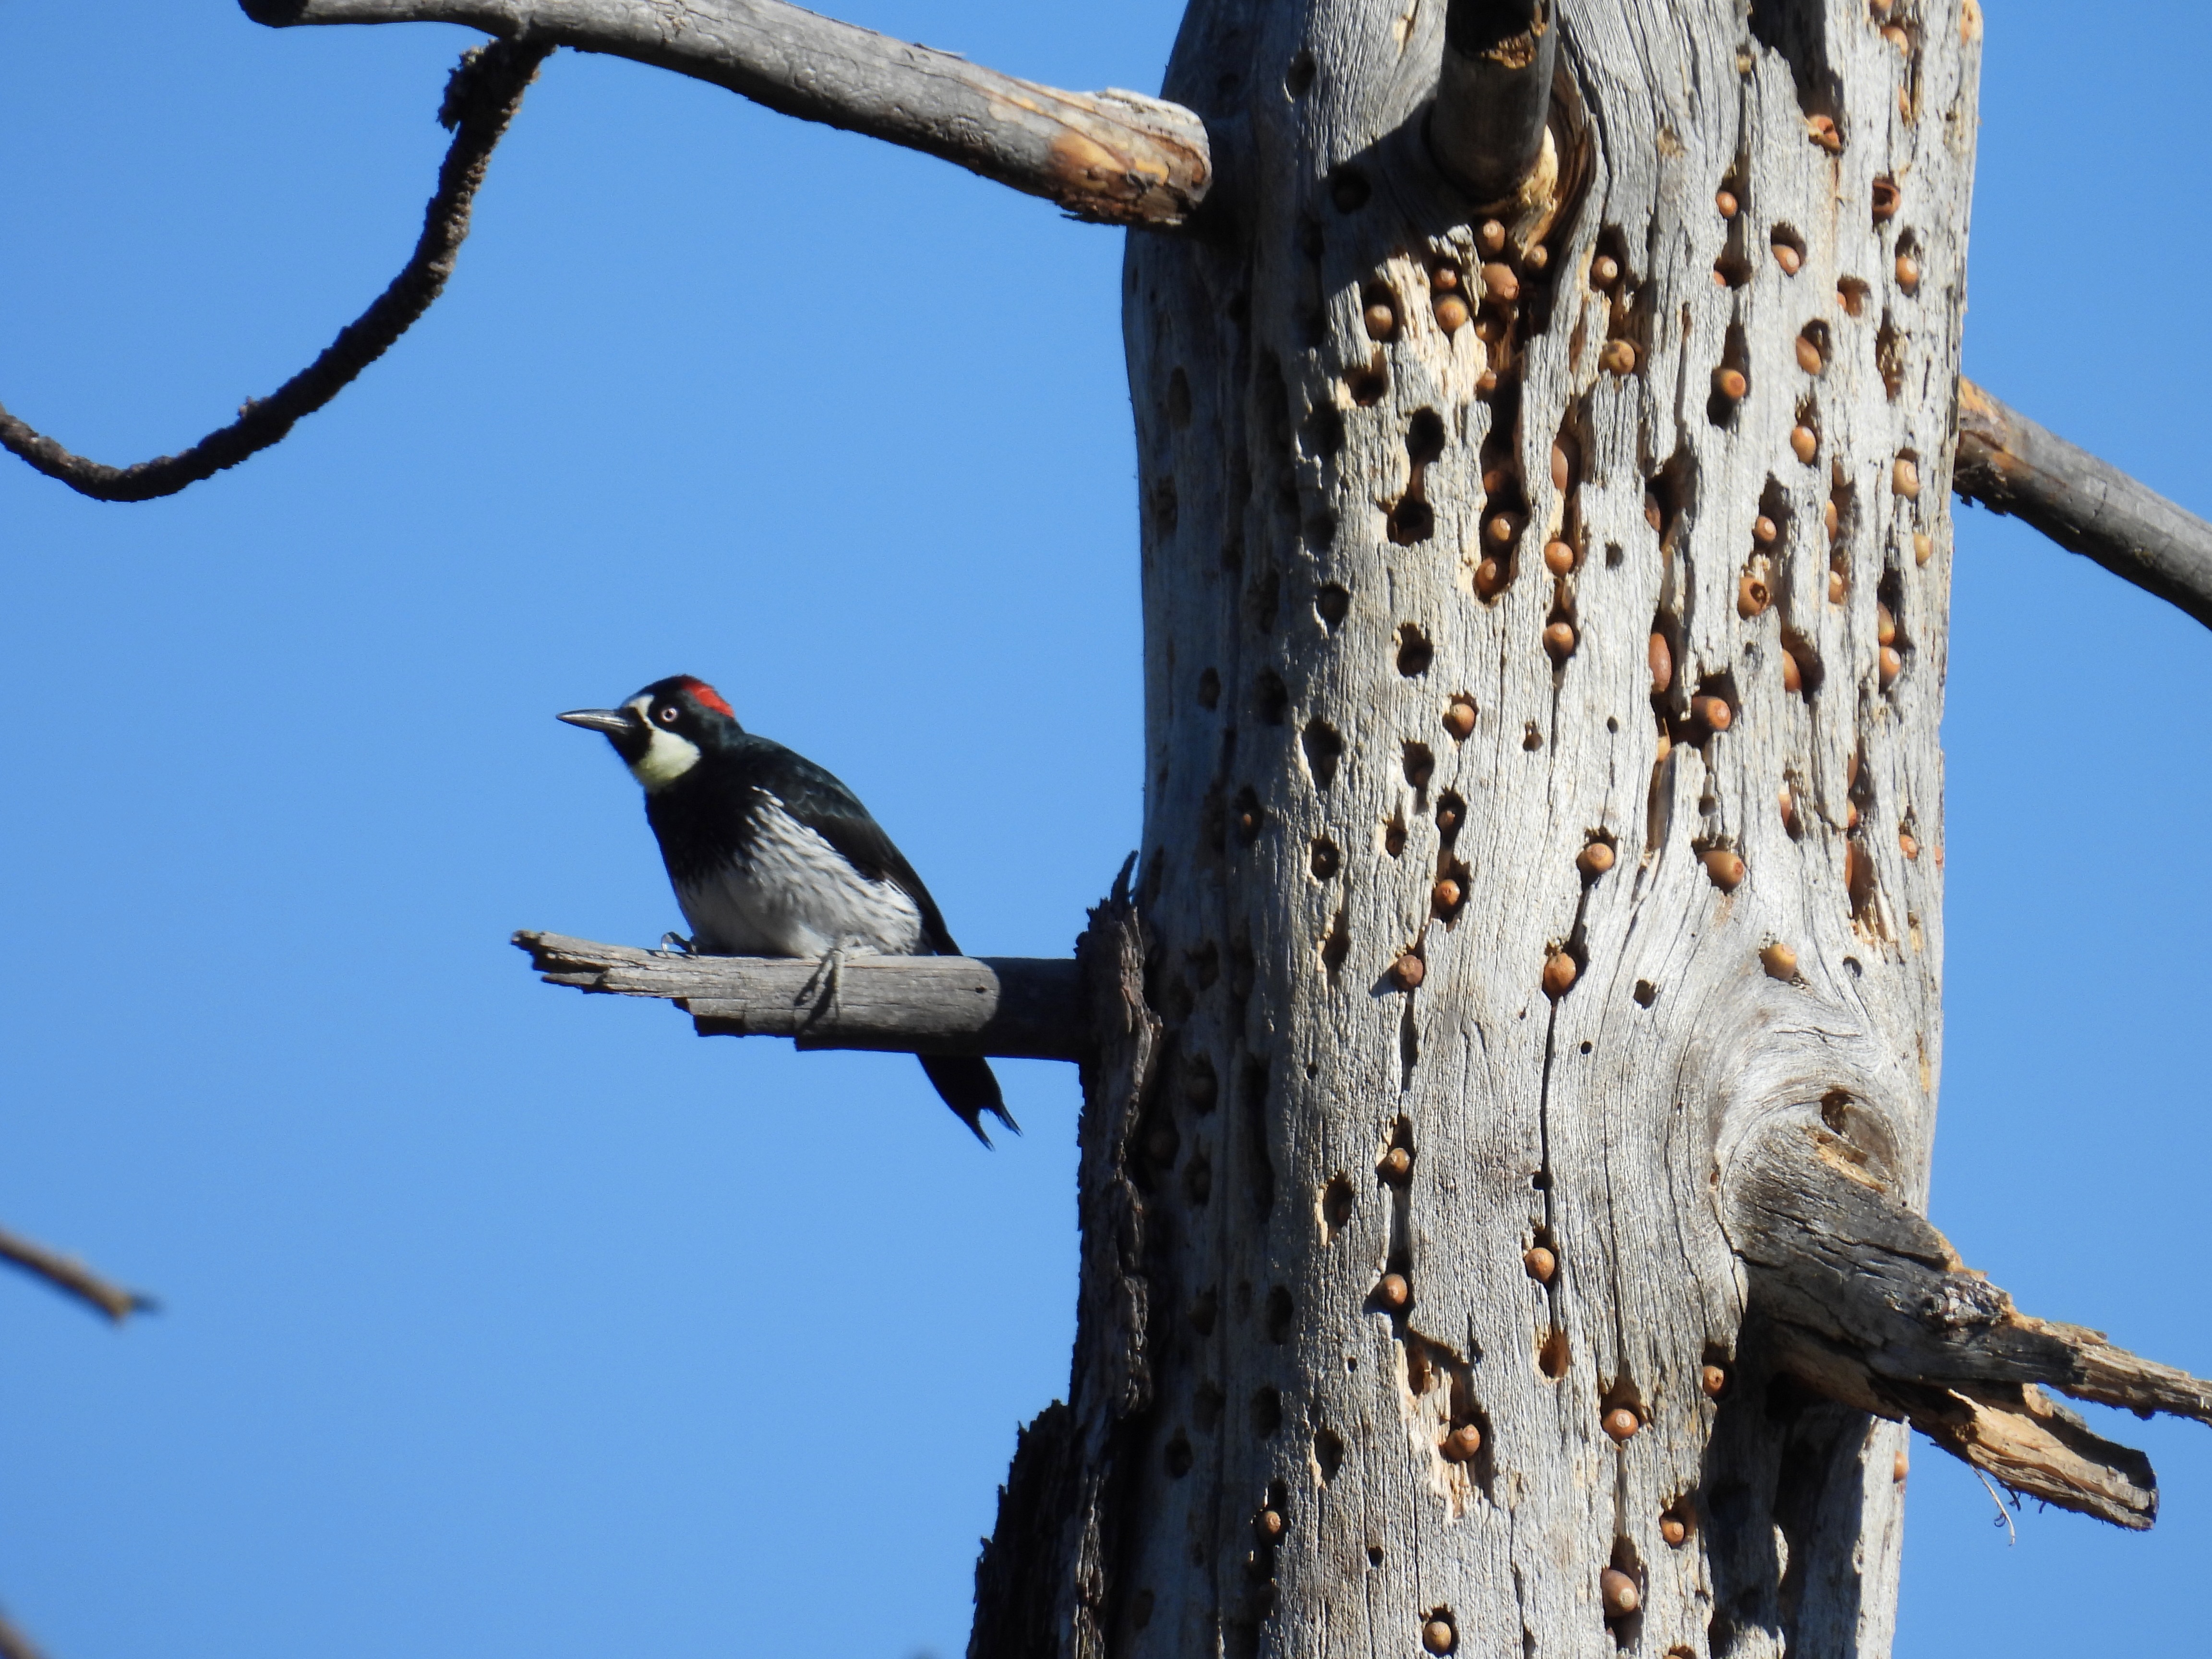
[(14, 1644), (1018, 1007), (481, 99), (1116, 157), (72, 1278), (1864, 1301), (1494, 93), (2010, 464)]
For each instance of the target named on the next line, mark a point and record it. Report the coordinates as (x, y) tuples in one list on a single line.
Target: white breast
[(796, 896)]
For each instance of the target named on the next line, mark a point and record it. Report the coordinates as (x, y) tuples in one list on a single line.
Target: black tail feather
[(971, 1088)]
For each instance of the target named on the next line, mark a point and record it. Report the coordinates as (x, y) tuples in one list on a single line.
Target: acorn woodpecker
[(771, 856)]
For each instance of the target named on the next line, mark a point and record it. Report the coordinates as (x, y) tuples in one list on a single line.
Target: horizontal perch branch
[(1012, 1007), (481, 99), (72, 1278), (2010, 464), (1867, 1303), (1117, 157)]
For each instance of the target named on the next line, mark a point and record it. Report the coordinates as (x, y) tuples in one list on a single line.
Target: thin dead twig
[(481, 99), (71, 1278)]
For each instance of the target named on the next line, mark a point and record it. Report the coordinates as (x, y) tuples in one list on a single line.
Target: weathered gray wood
[(1869, 1303), (1317, 499), (1115, 156), (1015, 1007), (2010, 464), (1486, 129)]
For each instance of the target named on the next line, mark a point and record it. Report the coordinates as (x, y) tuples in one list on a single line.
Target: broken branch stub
[(1113, 157), (2010, 464), (1865, 1302), (1006, 1007), (1486, 130)]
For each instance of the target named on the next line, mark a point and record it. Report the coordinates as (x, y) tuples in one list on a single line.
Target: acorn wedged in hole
[(1462, 1443), (1559, 974), (1396, 1166), (1617, 1591), (1621, 1424), (1540, 1263)]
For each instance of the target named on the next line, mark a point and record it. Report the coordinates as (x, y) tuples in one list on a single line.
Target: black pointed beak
[(614, 722)]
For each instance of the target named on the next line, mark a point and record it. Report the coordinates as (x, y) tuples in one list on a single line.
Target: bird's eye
[(665, 713)]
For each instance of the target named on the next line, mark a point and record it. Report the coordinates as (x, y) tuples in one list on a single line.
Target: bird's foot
[(675, 945), (822, 986)]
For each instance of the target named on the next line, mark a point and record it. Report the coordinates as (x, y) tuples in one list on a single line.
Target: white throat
[(667, 756)]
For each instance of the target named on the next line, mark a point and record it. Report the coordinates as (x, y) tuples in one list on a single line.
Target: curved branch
[(481, 99), (1486, 129), (1015, 1007), (2010, 464), (1863, 1300), (1116, 157)]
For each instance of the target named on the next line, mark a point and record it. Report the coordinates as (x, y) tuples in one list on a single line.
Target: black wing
[(815, 797)]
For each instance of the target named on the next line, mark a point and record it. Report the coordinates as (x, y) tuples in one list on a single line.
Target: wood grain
[(1016, 1007)]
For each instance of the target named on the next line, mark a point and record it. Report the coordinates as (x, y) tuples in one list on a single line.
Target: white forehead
[(667, 756)]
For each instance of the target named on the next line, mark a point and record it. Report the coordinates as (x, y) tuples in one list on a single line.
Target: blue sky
[(500, 1322)]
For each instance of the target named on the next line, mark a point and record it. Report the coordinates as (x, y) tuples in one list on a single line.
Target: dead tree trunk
[(1544, 617)]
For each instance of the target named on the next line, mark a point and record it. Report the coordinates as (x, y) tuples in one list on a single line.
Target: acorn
[(1489, 579), (1751, 597), (1804, 443), (1622, 1423), (1537, 258), (1408, 971), (1437, 1637), (1381, 321), (1563, 464), (1617, 1591), (1789, 258), (1821, 129), (1898, 38), (1540, 1263), (1652, 515), (1793, 676), (1445, 896), (1904, 478), (1906, 845), (1491, 236), (1596, 858), (1396, 1165), (1451, 312), (1885, 625), (1898, 1468), (1447, 814), (1499, 284), (1269, 1523), (1559, 640), (1892, 666), (1788, 805), (1713, 1379), (1908, 273), (1605, 271), (1837, 587), (1560, 974), (1780, 963), (1831, 519), (1726, 201), (1487, 382), (1444, 278), (1503, 528), (1673, 1528), (1850, 815), (1459, 719), (1809, 357), (1852, 861), (1618, 358), (1713, 711), (1392, 1293), (1923, 547), (1764, 530), (1730, 383), (1725, 869), (1558, 558), (1663, 664), (1462, 1443)]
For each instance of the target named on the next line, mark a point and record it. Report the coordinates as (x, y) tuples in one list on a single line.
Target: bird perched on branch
[(771, 856)]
